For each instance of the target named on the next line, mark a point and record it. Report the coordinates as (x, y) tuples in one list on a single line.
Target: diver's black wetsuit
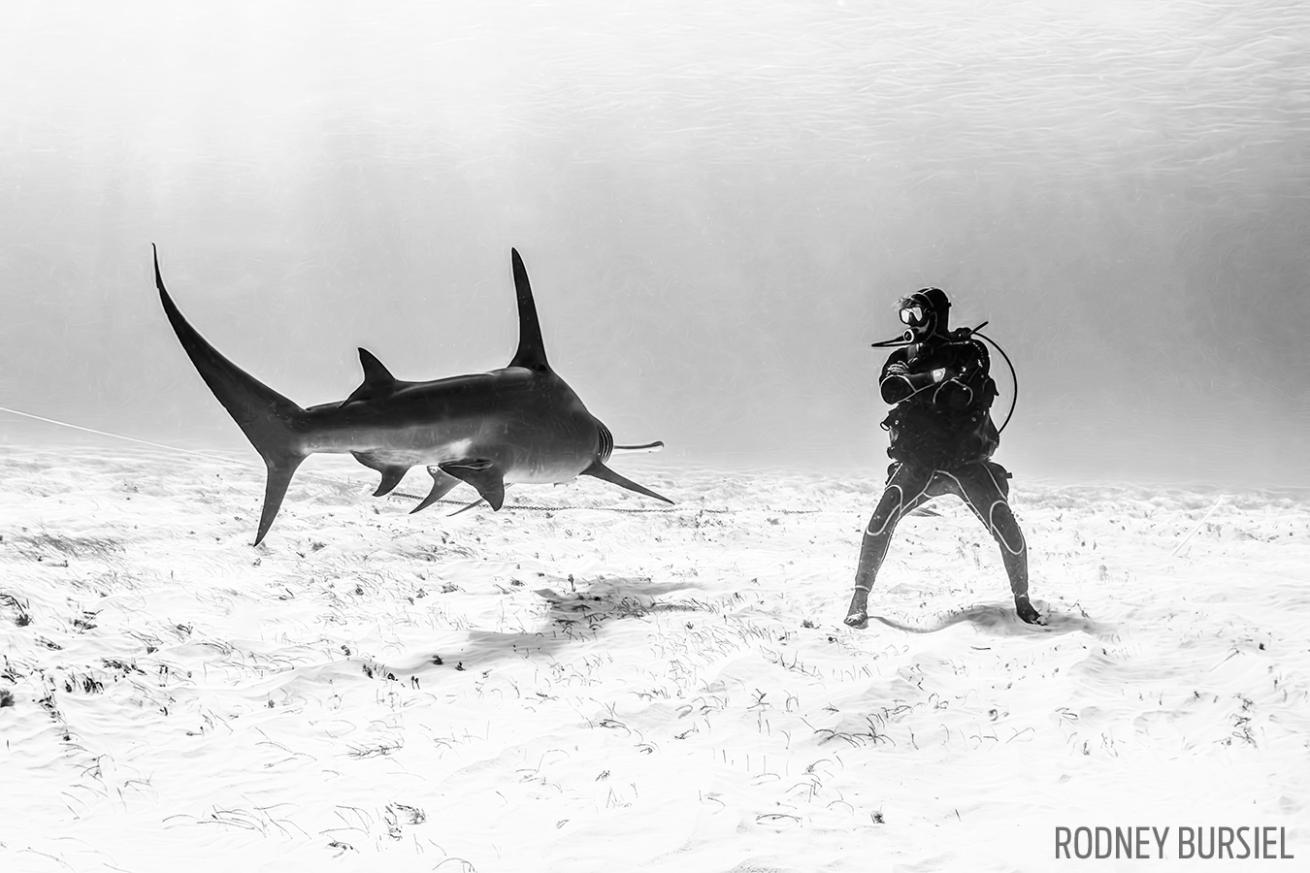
[(942, 440)]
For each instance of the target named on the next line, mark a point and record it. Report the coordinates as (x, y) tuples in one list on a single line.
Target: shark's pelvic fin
[(378, 381), (270, 421), (531, 351), (600, 471), (465, 508), (483, 475), (441, 485), (391, 473)]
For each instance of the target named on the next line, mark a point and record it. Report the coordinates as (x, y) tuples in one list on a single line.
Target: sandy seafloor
[(573, 685)]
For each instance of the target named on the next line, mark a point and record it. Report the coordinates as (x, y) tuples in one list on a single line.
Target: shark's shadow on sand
[(999, 620), (577, 618)]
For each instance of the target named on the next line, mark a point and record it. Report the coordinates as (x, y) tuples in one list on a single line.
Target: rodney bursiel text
[(1184, 843)]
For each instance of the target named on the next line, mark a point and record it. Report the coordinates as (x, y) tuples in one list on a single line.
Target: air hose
[(1014, 377)]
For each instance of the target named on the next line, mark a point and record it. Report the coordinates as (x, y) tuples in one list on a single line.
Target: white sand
[(654, 690)]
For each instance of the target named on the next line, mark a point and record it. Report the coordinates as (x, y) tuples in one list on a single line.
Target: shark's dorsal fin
[(378, 381), (531, 351), (374, 371)]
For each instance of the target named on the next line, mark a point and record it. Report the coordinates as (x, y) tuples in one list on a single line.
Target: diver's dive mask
[(925, 313), (913, 315)]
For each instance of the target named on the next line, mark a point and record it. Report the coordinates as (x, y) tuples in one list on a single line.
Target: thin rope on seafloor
[(117, 436), (522, 506)]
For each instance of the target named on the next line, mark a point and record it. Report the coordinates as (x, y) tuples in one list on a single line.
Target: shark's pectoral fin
[(441, 485), (600, 471), (390, 479), (483, 475), (391, 473), (378, 381)]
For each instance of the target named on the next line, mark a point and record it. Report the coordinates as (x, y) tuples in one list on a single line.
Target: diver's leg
[(982, 491), (905, 490)]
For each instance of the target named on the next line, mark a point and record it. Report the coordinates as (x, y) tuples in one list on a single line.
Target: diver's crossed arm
[(954, 387), (899, 383)]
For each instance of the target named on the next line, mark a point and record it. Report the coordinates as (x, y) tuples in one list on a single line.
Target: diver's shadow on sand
[(578, 617), (1000, 620)]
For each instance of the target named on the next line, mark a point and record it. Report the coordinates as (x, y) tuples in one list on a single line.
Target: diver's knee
[(881, 522), (1005, 527), (886, 512)]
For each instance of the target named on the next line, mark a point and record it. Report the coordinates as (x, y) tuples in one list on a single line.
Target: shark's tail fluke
[(271, 422), (275, 488)]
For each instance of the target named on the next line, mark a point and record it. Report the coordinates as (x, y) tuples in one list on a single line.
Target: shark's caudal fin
[(600, 471), (531, 351), (270, 421)]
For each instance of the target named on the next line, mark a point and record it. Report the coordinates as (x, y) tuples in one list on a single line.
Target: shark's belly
[(527, 450), (527, 444)]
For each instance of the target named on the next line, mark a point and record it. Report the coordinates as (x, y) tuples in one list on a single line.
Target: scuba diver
[(942, 440)]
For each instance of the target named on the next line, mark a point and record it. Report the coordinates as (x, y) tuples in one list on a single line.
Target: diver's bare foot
[(1027, 612), (857, 616)]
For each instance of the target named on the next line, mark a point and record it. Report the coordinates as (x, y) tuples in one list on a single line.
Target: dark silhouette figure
[(942, 440)]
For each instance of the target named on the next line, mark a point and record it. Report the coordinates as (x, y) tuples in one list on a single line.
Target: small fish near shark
[(522, 423)]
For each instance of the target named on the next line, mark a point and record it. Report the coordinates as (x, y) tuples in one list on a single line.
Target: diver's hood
[(925, 313)]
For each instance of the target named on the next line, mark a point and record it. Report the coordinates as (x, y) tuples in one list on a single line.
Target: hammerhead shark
[(522, 423)]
